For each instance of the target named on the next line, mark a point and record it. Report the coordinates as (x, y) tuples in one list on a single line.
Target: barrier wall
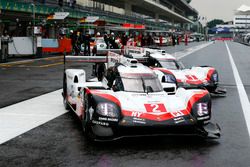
[(56, 46), (21, 46)]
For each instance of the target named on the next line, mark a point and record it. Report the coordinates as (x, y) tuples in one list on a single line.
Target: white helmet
[(112, 33), (98, 33)]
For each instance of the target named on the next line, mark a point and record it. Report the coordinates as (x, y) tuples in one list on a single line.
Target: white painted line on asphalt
[(180, 55), (24, 116), (242, 92)]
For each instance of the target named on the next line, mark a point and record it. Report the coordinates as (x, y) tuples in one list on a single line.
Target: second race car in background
[(169, 69), (99, 44)]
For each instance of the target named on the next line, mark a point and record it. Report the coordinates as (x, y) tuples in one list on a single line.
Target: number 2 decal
[(156, 108), (191, 77)]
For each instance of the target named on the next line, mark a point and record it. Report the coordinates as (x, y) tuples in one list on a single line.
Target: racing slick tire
[(86, 121), (65, 101)]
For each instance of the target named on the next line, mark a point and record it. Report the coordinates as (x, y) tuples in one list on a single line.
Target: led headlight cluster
[(202, 109), (107, 109), (215, 77), (168, 78)]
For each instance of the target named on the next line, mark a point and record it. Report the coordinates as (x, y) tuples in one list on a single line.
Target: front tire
[(86, 121)]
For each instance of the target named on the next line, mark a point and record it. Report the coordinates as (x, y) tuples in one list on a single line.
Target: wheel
[(65, 101), (86, 122)]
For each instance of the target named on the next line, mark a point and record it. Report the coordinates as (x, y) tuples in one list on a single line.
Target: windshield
[(171, 64), (141, 85)]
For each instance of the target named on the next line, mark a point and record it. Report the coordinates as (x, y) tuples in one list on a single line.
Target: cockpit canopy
[(133, 82), (137, 84)]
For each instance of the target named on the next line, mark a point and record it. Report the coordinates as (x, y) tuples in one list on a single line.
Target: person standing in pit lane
[(106, 39), (186, 39), (73, 37), (124, 39), (173, 40), (161, 40), (86, 42), (112, 41), (5, 39)]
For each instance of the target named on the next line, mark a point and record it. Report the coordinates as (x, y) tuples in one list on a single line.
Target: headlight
[(215, 77), (202, 109), (107, 109), (168, 78)]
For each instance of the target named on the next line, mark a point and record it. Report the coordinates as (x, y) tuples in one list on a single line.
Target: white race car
[(165, 40), (130, 101), (99, 44), (170, 70)]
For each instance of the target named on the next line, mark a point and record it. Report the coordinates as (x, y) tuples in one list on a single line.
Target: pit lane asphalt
[(60, 142)]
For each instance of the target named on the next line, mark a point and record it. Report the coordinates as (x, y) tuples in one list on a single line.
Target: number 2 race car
[(169, 69), (130, 102)]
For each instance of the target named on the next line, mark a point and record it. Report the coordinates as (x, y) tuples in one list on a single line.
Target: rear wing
[(110, 59), (118, 51), (138, 53), (85, 59), (90, 59)]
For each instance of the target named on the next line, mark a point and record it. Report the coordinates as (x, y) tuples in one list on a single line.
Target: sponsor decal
[(139, 120), (155, 108), (100, 123), (108, 119), (177, 114), (179, 120), (191, 77), (149, 95), (136, 114)]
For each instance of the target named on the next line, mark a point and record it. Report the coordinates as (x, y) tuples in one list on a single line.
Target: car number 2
[(156, 108)]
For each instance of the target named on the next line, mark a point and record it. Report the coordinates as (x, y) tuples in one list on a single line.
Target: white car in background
[(165, 40)]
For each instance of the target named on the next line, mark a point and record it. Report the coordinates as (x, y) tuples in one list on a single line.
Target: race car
[(100, 45), (130, 102), (165, 40), (166, 64)]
